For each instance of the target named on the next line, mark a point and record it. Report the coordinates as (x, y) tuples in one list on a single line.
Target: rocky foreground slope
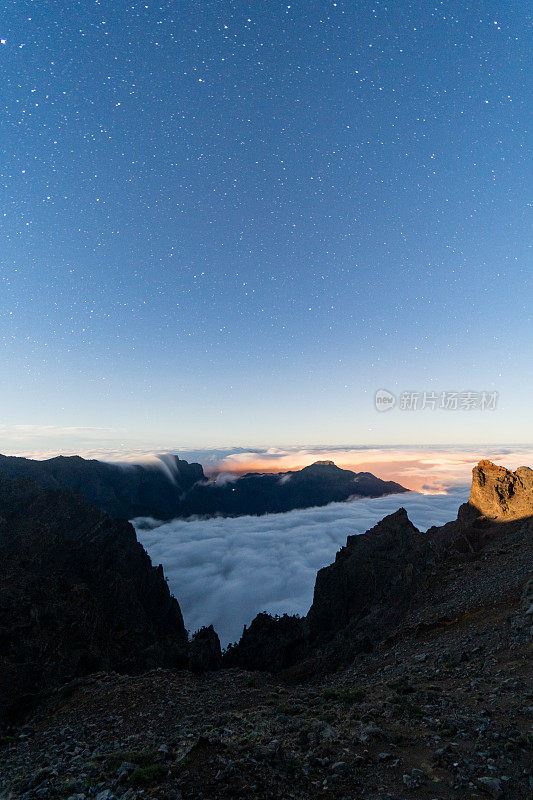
[(409, 678), (170, 487)]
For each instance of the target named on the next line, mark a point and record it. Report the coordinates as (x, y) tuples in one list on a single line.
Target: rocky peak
[(391, 528), (499, 494), (321, 468), (204, 652), (374, 568)]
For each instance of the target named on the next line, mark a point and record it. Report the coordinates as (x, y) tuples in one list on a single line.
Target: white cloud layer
[(224, 571)]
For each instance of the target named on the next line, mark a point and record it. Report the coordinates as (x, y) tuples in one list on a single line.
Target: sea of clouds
[(224, 571)]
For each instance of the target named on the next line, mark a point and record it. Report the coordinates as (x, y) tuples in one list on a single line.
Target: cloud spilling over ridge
[(224, 571), (423, 468)]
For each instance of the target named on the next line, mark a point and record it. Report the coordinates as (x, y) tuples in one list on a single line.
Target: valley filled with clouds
[(224, 571)]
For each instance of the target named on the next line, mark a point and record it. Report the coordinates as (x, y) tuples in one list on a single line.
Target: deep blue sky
[(233, 222)]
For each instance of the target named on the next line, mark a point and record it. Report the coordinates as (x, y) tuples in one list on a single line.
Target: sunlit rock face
[(500, 494)]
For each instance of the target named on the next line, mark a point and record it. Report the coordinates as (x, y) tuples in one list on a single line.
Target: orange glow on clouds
[(429, 471)]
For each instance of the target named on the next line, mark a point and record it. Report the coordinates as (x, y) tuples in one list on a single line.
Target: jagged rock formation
[(371, 579), (357, 600), (175, 488), (500, 494), (278, 642), (204, 651), (384, 577), (78, 594)]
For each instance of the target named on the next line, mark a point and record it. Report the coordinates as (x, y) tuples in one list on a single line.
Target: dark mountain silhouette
[(78, 594), (316, 485), (125, 491), (176, 488)]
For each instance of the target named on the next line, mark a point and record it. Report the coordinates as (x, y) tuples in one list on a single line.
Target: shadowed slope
[(78, 594)]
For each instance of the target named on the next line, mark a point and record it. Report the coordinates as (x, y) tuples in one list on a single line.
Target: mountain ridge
[(179, 489)]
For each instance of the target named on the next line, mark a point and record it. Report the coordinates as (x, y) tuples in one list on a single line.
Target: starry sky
[(230, 223)]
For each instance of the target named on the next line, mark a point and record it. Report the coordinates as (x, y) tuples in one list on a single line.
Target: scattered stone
[(492, 786), (106, 794), (340, 767)]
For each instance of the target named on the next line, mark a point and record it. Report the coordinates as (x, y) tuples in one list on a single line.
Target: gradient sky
[(230, 223)]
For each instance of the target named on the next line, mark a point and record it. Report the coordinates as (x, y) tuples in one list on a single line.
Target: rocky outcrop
[(204, 652), (170, 487), (357, 600), (371, 580), (270, 643), (498, 493), (388, 575), (78, 594)]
